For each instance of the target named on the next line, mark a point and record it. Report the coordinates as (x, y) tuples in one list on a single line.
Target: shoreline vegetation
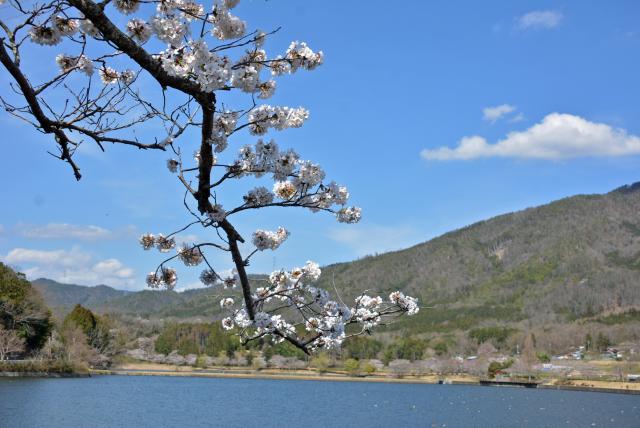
[(42, 368), (150, 369)]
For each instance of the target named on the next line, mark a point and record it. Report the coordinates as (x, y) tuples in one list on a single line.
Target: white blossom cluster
[(223, 125), (89, 29), (407, 303), (162, 243), (109, 76), (71, 63), (217, 213), (65, 26), (349, 215), (44, 35), (325, 320), (231, 280), (246, 74), (296, 181), (226, 302), (139, 30), (299, 55), (170, 29), (285, 190), (226, 25), (49, 35), (195, 61), (211, 278), (190, 255), (191, 58), (260, 196), (167, 278), (182, 26), (127, 6), (265, 116), (269, 240)]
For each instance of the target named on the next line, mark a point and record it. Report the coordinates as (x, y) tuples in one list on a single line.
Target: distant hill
[(195, 303), (575, 258), (59, 295)]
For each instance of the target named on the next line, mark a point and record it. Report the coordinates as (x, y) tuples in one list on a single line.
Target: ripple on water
[(127, 401)]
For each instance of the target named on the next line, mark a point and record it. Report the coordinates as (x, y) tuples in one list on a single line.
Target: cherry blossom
[(202, 59)]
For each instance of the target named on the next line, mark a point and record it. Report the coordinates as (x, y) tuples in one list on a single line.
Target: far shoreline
[(631, 388)]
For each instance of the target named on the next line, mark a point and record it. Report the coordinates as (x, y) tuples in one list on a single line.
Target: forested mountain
[(576, 258), (61, 295)]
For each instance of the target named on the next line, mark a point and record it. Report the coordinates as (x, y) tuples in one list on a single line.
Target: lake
[(132, 401)]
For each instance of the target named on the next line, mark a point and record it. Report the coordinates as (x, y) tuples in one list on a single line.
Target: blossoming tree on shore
[(193, 54)]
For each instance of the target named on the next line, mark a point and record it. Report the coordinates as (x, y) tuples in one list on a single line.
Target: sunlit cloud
[(558, 136), (492, 114), (75, 232), (70, 266), (539, 19)]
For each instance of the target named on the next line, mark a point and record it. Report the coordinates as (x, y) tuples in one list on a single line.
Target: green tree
[(22, 309), (362, 348), (407, 348), (369, 368), (498, 335), (82, 318), (441, 348), (602, 342), (588, 342), (543, 357), (320, 362), (95, 329), (196, 338), (495, 367), (352, 366), (284, 349)]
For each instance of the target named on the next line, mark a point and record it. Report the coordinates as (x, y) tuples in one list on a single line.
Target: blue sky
[(435, 115)]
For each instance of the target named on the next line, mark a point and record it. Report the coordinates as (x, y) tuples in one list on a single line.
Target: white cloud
[(65, 231), (492, 114), (74, 232), (558, 136), (71, 266), (112, 267), (539, 19), (517, 118), (61, 258), (370, 239)]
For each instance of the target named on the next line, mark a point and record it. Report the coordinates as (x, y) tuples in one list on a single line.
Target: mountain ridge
[(570, 259)]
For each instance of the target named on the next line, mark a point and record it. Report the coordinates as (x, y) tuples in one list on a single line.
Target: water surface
[(138, 401)]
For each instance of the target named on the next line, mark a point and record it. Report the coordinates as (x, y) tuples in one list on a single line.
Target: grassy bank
[(30, 368)]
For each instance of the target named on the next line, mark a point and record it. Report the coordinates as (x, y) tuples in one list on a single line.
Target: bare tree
[(196, 57), (76, 347), (528, 357), (10, 343)]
